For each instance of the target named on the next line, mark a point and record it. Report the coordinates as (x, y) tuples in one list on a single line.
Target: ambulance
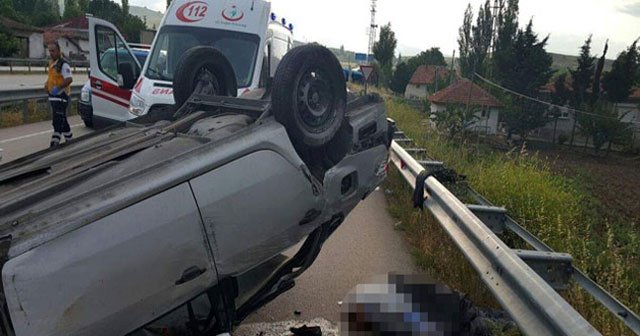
[(251, 37)]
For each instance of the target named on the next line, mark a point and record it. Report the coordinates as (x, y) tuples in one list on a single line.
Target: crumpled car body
[(123, 226)]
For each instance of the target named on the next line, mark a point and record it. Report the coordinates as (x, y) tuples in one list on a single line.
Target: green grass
[(557, 209)]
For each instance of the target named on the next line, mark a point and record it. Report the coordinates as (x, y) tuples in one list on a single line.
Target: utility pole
[(373, 29), (496, 11), (453, 62)]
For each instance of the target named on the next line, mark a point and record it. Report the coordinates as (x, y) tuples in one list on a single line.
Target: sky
[(422, 24)]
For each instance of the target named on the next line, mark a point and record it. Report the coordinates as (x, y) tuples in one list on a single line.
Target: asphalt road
[(31, 81), (23, 140), (365, 245)]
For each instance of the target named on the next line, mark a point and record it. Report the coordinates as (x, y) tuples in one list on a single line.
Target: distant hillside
[(562, 62), (152, 17)]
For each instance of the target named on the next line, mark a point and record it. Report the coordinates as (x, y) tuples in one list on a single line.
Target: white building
[(465, 92), (423, 81), (31, 38)]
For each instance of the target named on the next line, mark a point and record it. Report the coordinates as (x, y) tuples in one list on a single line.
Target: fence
[(524, 282), (19, 99), (32, 64)]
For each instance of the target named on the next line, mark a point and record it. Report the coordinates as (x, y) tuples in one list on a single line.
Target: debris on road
[(306, 331), (326, 328)]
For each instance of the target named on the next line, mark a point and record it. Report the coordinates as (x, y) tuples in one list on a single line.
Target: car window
[(112, 51), (240, 49)]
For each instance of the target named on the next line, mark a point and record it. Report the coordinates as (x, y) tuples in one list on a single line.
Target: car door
[(114, 70)]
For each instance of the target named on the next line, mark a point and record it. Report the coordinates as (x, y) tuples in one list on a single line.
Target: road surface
[(365, 245), (23, 140), (31, 81)]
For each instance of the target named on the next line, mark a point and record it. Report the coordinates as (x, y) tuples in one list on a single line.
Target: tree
[(33, 12), (401, 77), (384, 49), (619, 82), (129, 25), (404, 70), (456, 119), (482, 34), (595, 89), (107, 10), (7, 10), (125, 7), (531, 64), (84, 5), (465, 43), (603, 124), (9, 45), (71, 9), (531, 69), (431, 56), (582, 76), (507, 29), (474, 41)]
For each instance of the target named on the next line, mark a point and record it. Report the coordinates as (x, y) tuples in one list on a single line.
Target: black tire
[(88, 122), (309, 96), (203, 70)]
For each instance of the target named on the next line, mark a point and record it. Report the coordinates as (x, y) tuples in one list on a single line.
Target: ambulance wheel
[(203, 70), (309, 96)]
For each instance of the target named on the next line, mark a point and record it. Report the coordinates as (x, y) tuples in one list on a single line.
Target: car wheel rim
[(315, 101)]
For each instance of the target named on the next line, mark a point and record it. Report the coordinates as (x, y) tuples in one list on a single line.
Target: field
[(575, 203)]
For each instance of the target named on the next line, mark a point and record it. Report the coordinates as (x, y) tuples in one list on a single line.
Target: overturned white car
[(134, 226)]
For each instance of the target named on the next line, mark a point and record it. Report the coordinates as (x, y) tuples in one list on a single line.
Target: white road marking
[(33, 134)]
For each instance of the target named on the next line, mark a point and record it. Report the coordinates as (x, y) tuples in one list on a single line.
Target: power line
[(544, 102)]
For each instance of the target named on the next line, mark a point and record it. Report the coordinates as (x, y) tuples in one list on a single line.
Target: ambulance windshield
[(173, 41)]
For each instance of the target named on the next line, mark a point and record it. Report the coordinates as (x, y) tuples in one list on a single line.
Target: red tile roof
[(464, 92), (80, 22), (10, 24), (426, 74)]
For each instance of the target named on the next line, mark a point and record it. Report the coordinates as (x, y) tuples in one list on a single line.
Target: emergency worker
[(58, 87)]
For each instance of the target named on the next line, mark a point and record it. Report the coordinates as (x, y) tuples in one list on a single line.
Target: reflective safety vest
[(55, 75)]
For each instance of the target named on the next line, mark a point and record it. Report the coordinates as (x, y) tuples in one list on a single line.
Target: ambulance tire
[(203, 70), (309, 96)]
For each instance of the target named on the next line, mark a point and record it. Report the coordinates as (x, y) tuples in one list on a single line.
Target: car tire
[(203, 70), (88, 122), (309, 96)]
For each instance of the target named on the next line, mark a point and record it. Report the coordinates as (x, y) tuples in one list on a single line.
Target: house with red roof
[(424, 81), (73, 37), (464, 92)]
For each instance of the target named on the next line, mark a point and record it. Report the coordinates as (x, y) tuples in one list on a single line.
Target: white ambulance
[(252, 38)]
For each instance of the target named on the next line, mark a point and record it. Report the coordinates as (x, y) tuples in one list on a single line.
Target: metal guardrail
[(23, 96), (37, 63), (524, 282)]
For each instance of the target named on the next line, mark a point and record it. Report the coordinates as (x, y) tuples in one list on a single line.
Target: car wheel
[(309, 96), (203, 70), (88, 122)]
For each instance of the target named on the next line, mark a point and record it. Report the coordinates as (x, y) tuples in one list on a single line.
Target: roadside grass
[(558, 209), (37, 110)]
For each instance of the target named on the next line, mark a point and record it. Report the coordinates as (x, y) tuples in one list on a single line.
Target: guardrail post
[(10, 68), (25, 110), (29, 66)]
